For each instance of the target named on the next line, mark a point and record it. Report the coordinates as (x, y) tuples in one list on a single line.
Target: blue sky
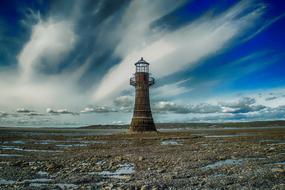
[(213, 60)]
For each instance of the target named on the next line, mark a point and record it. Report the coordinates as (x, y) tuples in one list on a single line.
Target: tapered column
[(142, 117)]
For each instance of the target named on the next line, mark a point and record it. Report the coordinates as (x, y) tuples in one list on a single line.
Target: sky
[(213, 60)]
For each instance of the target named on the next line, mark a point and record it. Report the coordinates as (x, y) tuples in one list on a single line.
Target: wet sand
[(177, 157)]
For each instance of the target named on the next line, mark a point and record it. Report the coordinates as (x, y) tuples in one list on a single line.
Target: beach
[(176, 157)]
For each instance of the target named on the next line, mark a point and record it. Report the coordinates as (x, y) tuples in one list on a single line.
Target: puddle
[(42, 173), (35, 150), (124, 171), (273, 142), (279, 163), (4, 162), (83, 142), (66, 186), (39, 180), (170, 142), (101, 162), (174, 129), (10, 148), (282, 163), (278, 143), (63, 186), (218, 175), (10, 155), (70, 145), (93, 142), (6, 182), (26, 150), (14, 142), (54, 141), (268, 140), (231, 135), (37, 184), (223, 163)]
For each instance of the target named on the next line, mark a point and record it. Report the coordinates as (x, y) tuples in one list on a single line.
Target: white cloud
[(50, 41), (242, 105), (245, 101), (124, 101), (168, 106), (87, 110), (59, 111), (189, 44), (118, 123), (171, 90), (271, 98), (98, 109)]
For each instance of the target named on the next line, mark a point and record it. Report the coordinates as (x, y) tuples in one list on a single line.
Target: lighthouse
[(142, 120)]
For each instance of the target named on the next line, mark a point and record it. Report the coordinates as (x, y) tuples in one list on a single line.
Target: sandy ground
[(174, 158)]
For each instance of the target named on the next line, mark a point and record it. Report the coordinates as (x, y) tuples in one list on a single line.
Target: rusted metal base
[(140, 124)]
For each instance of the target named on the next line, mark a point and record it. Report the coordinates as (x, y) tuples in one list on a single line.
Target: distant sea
[(69, 120), (79, 120)]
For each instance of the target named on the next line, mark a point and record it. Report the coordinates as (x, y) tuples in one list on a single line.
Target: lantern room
[(142, 66)]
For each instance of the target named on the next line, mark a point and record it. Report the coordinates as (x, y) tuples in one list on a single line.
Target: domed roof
[(142, 61)]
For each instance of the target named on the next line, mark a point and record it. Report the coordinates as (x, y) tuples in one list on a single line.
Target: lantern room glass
[(142, 66)]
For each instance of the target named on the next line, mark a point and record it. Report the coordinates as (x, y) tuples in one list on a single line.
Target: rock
[(52, 167), (119, 158), (141, 158), (167, 177), (154, 188), (75, 170), (161, 171), (98, 168), (279, 170), (17, 163), (111, 164), (34, 168)]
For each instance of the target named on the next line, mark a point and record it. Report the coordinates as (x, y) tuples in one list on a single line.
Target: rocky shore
[(189, 159)]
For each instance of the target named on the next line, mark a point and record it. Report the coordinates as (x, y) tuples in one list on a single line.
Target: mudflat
[(176, 157)]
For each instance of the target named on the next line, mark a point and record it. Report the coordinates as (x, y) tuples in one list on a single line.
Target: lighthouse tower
[(142, 118)]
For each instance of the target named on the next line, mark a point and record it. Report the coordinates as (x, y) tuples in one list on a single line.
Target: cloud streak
[(50, 41), (243, 105), (189, 44)]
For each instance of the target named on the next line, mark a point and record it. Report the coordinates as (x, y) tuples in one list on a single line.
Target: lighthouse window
[(142, 68)]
